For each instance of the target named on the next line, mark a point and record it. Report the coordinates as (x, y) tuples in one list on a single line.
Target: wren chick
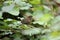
[(27, 20)]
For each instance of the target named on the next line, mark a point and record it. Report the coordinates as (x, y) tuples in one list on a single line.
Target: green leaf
[(56, 24), (9, 2), (17, 36), (12, 9), (35, 2), (15, 11), (44, 19), (23, 5), (37, 14), (1, 15), (31, 31), (55, 35)]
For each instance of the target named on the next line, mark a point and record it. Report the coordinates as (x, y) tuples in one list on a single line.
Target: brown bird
[(27, 20)]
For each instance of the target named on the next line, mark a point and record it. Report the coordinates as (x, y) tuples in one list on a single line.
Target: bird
[(27, 20)]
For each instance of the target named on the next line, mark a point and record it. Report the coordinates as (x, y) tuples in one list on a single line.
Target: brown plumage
[(27, 20)]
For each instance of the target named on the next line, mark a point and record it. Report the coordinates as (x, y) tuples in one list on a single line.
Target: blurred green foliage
[(46, 25)]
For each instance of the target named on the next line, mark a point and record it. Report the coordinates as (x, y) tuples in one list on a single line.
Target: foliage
[(45, 24)]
